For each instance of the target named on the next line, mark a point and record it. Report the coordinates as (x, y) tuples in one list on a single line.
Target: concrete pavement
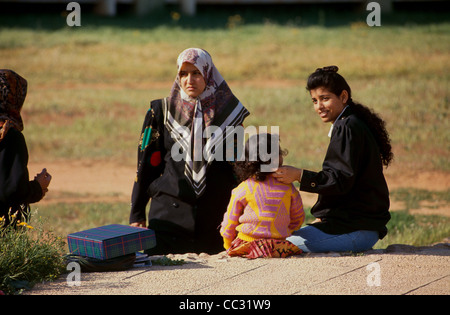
[(396, 270)]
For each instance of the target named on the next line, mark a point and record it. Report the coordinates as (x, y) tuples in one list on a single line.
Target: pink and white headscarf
[(186, 117)]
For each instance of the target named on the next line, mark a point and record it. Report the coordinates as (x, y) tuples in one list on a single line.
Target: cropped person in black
[(352, 209), (16, 189)]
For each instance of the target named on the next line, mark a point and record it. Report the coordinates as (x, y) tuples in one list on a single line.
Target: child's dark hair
[(328, 78), (251, 166)]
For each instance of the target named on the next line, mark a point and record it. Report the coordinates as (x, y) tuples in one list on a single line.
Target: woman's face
[(191, 79), (327, 104)]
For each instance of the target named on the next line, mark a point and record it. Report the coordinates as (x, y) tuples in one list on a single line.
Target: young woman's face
[(327, 104), (191, 79)]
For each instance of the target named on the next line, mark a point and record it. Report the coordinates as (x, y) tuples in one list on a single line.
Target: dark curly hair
[(251, 166), (328, 78)]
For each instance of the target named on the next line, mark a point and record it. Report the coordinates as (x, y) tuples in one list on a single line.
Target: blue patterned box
[(110, 241)]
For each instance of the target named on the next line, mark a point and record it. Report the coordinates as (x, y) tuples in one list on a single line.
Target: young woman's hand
[(138, 224), (288, 174)]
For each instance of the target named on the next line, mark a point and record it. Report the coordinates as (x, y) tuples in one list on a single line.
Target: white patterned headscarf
[(186, 118)]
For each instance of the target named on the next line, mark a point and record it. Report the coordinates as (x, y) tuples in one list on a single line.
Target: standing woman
[(188, 195), (352, 209), (16, 189)]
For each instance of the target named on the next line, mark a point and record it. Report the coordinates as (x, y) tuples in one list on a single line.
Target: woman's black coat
[(182, 222), (353, 194), (16, 189)]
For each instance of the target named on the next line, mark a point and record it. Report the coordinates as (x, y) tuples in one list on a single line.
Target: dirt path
[(86, 181), (106, 181)]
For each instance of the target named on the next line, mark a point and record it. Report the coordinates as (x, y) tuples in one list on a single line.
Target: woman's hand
[(44, 179), (288, 174), (138, 224)]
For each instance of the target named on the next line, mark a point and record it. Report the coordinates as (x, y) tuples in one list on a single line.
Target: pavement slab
[(396, 270)]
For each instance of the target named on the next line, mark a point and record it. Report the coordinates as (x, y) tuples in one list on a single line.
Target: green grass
[(28, 254), (413, 198), (404, 227), (66, 218), (417, 230), (89, 87)]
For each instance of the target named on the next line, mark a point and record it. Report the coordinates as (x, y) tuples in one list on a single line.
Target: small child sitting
[(262, 211)]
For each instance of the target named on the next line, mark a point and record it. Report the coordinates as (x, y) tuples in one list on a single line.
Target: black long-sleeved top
[(174, 209), (353, 194), (15, 186)]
